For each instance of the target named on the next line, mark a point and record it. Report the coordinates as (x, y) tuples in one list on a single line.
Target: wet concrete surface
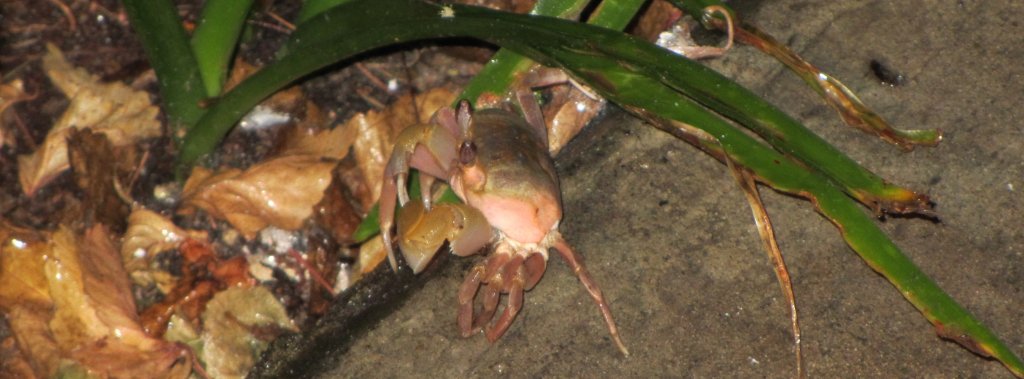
[(669, 236)]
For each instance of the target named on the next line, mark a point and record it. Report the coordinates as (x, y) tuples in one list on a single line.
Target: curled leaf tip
[(962, 338), (900, 201)]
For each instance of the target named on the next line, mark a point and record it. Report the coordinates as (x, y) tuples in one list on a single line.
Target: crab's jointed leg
[(505, 271), (575, 262)]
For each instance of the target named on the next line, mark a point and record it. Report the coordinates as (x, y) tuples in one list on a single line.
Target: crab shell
[(512, 179)]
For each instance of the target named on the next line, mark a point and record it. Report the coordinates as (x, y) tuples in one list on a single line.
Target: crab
[(498, 164)]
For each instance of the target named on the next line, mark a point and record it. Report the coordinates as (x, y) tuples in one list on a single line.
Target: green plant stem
[(167, 46), (216, 38)]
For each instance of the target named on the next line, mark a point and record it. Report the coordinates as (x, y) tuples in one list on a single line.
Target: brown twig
[(313, 272), (271, 26), (68, 14), (281, 20)]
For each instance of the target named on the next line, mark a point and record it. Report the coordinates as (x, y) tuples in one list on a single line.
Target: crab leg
[(515, 303), (575, 261), (467, 293)]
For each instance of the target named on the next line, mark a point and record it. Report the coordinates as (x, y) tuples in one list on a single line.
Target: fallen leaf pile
[(70, 308), (123, 114)]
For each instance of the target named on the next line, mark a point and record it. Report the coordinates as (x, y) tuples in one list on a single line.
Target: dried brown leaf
[(336, 211), (68, 298), (203, 275), (377, 131), (148, 235), (334, 143), (371, 254), (279, 192), (567, 114), (13, 363), (123, 114), (659, 16), (25, 297), (238, 325), (95, 174), (11, 93)]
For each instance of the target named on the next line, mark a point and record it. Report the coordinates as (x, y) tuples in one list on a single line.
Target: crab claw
[(503, 272), (429, 148), (421, 232)]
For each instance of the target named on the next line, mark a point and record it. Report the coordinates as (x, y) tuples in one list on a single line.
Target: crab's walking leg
[(575, 262), (466, 295), (516, 275)]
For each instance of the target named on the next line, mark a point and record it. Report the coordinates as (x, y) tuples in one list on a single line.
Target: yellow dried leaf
[(121, 113), (230, 346), (11, 93), (371, 254), (570, 117), (334, 143), (149, 234), (377, 131), (68, 299), (25, 298), (280, 192)]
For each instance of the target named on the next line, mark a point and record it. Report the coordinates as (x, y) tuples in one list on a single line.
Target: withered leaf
[(238, 325), (123, 114), (334, 143), (89, 153), (148, 235), (11, 93), (203, 275), (279, 192), (377, 131), (569, 111), (371, 254), (25, 297), (68, 299)]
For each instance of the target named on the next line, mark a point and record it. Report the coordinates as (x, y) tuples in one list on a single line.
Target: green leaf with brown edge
[(834, 92), (326, 45)]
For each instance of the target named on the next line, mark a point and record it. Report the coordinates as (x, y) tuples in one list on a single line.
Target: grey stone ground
[(670, 238)]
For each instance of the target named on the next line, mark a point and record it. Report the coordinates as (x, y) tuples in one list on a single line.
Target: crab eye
[(467, 153)]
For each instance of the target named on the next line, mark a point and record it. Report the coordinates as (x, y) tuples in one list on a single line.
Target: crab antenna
[(575, 261)]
